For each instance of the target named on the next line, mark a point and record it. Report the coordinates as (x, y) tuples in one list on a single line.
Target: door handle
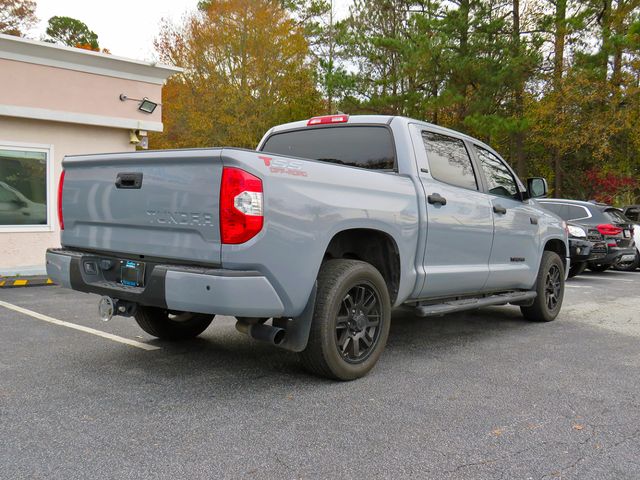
[(436, 198), (499, 209), (129, 180)]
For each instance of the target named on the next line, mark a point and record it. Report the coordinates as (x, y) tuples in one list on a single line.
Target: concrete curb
[(15, 282)]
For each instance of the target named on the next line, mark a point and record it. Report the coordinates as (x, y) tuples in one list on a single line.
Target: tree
[(73, 33), (17, 16), (246, 69)]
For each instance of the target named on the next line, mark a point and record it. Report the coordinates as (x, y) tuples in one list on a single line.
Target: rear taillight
[(241, 206), (60, 187), (328, 119), (609, 230)]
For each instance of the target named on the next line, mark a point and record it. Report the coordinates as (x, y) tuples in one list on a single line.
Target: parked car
[(330, 224), (601, 224), (582, 250), (633, 214), (16, 209)]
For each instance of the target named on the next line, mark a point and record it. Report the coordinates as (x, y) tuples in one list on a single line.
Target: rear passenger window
[(558, 208), (449, 160), (576, 212), (364, 147)]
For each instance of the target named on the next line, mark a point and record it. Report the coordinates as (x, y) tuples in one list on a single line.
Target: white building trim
[(49, 54), (79, 118)]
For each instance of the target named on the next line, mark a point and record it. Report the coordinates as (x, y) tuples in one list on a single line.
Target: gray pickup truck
[(311, 240)]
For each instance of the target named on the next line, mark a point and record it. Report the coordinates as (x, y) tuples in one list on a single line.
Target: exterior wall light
[(146, 105)]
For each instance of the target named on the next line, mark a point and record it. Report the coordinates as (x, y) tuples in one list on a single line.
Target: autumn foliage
[(246, 69)]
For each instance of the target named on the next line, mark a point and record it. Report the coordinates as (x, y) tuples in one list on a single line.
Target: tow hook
[(109, 307)]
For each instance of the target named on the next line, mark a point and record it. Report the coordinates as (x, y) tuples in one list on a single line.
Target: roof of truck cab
[(373, 120)]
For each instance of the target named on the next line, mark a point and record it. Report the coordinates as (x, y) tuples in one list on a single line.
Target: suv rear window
[(615, 216), (368, 147)]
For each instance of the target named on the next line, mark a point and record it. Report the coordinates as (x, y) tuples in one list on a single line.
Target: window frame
[(48, 150), (343, 125), (474, 166)]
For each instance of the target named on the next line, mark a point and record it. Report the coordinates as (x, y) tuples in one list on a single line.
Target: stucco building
[(57, 101)]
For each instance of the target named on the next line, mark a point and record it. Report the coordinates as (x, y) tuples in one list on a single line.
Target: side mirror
[(19, 203), (537, 187)]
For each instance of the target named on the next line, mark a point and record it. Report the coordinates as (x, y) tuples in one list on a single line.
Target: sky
[(126, 28)]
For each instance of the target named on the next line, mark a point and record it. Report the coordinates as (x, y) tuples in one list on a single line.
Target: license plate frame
[(132, 273)]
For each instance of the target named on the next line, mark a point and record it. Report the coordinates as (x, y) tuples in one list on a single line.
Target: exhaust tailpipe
[(262, 332)]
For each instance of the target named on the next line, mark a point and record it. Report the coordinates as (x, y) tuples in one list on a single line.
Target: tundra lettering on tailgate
[(164, 217)]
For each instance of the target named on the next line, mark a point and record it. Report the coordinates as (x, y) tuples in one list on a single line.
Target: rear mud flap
[(298, 328)]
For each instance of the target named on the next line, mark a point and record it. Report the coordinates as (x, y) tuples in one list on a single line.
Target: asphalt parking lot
[(477, 395)]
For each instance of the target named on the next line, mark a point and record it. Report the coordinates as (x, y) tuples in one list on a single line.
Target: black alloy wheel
[(553, 287), (358, 323)]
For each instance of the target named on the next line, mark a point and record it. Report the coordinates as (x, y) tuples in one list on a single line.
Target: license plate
[(628, 258), (627, 234), (131, 273)]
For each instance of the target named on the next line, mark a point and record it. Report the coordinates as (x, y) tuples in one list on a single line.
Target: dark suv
[(604, 226)]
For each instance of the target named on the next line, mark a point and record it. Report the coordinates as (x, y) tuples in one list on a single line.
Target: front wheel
[(549, 289), (168, 325), (598, 267), (577, 268), (350, 322)]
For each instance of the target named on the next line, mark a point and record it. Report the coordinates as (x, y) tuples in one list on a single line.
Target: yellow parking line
[(19, 283)]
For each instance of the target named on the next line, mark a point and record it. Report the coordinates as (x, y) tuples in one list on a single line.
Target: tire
[(166, 325), (577, 268), (629, 266), (598, 267), (344, 346), (550, 290)]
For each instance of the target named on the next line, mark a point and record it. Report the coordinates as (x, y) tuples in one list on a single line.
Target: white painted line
[(578, 286), (92, 331)]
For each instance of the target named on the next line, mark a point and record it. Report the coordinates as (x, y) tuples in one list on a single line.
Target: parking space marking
[(92, 331)]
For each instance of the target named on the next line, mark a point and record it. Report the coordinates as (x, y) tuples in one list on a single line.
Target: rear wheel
[(350, 323), (550, 290), (577, 268), (169, 325), (629, 266)]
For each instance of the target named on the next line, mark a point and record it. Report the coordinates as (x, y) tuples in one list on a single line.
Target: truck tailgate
[(157, 204)]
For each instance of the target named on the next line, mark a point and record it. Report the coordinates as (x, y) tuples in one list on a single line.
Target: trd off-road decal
[(282, 166)]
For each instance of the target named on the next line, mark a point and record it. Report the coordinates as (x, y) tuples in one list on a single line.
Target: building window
[(25, 192)]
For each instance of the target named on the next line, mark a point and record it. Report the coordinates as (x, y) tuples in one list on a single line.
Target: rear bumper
[(174, 287), (614, 255)]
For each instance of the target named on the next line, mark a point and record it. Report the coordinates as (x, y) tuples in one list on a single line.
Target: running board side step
[(461, 305)]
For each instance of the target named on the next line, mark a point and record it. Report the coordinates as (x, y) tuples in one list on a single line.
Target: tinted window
[(575, 212), (449, 160), (558, 208), (633, 214), (499, 178), (364, 147), (615, 216)]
